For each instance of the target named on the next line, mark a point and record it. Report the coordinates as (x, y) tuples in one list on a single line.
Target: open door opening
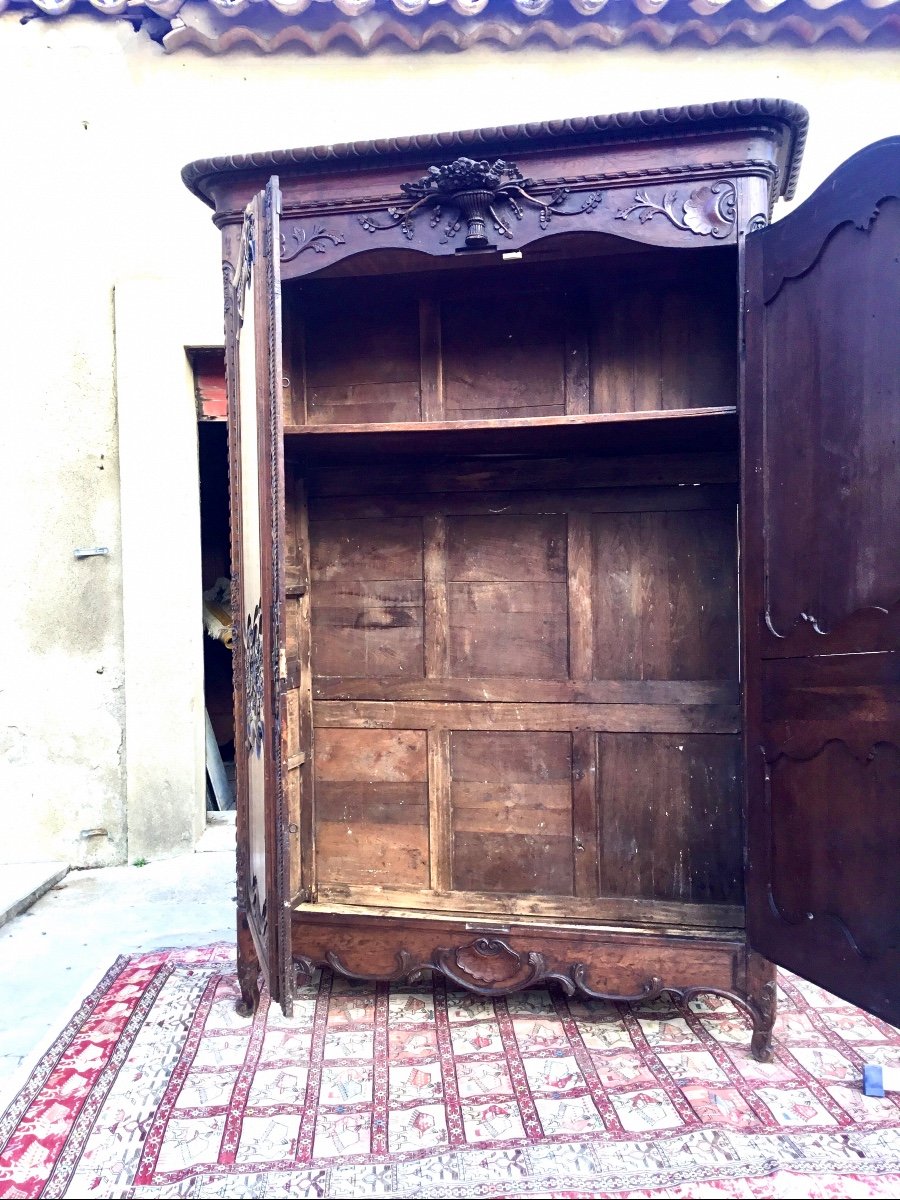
[(218, 688)]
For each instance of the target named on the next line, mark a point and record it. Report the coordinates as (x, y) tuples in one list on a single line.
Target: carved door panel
[(821, 584), (257, 508)]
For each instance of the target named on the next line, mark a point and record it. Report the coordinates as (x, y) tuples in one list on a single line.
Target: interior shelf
[(676, 429)]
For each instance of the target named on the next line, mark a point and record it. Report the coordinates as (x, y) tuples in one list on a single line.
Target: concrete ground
[(55, 951)]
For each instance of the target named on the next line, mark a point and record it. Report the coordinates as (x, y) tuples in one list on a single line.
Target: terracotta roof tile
[(464, 8), (317, 25)]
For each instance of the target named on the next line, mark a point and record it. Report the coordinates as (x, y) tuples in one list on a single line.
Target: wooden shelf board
[(500, 913), (678, 429)]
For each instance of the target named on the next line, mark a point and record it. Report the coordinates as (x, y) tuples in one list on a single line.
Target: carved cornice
[(596, 130), (608, 181)]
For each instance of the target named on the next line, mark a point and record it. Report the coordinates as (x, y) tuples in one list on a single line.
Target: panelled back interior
[(520, 340), (524, 670)]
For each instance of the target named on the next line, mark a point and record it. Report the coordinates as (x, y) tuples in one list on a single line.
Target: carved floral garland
[(708, 210), (475, 192)]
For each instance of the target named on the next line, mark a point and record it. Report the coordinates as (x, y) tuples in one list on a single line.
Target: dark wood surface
[(822, 584), (670, 178), (498, 960), (529, 692), (528, 341), (508, 708), (263, 709), (599, 433)]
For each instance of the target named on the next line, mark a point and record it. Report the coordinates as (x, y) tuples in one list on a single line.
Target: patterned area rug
[(157, 1088)]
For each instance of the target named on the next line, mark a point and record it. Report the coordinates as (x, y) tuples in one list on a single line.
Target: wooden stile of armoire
[(567, 559)]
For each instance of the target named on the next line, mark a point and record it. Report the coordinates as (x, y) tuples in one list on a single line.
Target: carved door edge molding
[(874, 627)]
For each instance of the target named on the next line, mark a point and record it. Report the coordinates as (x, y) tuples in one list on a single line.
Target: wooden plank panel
[(612, 718), (507, 595), (299, 786), (378, 802), (584, 812), (348, 549), (439, 834), (580, 596), (643, 345), (508, 504), (545, 691), (430, 359), (578, 355), (480, 909), (698, 335), (372, 807), (670, 817), (362, 403), (367, 597), (501, 812), (362, 357), (612, 374), (511, 812), (665, 598), (371, 853), (500, 548), (682, 358), (371, 626), (504, 355), (437, 612), (345, 755), (293, 341), (530, 474), (516, 629)]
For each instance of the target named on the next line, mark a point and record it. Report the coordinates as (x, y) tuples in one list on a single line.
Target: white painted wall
[(112, 268)]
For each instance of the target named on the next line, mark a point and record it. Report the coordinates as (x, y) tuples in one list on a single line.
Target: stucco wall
[(106, 255)]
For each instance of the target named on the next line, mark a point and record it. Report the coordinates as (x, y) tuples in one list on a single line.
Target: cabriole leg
[(761, 992)]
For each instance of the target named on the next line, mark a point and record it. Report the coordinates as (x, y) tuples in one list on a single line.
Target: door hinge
[(282, 663)]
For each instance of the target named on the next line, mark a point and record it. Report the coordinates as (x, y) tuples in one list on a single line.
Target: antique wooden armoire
[(567, 559)]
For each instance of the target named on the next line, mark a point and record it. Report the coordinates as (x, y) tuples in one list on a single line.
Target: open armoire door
[(254, 375), (821, 584)]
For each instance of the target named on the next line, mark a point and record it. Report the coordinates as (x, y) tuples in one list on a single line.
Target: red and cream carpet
[(157, 1088)]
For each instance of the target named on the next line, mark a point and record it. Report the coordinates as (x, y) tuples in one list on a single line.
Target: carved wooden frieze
[(236, 282), (706, 211), (873, 627), (489, 966), (297, 238), (475, 194)]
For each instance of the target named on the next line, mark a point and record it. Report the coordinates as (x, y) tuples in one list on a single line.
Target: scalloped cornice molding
[(598, 129)]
